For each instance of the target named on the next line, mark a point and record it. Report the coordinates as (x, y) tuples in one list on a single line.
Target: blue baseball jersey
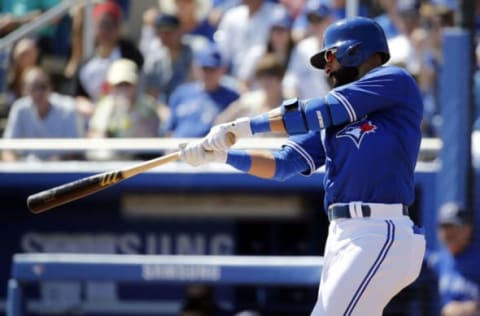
[(458, 276), (370, 157), (193, 109)]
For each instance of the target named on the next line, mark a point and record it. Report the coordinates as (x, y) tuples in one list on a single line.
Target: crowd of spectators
[(199, 62)]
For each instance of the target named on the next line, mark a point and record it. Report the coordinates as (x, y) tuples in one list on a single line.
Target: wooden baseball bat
[(48, 199)]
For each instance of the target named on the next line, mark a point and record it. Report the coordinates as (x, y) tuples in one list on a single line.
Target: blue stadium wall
[(101, 224)]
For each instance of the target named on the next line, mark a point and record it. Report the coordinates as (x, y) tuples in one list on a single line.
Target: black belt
[(343, 211)]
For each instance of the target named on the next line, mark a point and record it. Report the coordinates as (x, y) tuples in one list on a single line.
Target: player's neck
[(373, 62)]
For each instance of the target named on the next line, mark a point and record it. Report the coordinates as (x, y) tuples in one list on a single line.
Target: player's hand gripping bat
[(48, 199)]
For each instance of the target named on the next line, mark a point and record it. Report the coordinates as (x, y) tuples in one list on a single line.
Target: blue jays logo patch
[(357, 131)]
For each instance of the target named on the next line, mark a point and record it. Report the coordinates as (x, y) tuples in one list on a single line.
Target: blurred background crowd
[(172, 68)]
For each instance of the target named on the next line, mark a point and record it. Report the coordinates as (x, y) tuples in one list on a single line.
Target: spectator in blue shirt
[(194, 106), (41, 114), (456, 265)]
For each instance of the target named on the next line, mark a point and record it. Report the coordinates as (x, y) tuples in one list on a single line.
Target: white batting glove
[(218, 139), (195, 154)]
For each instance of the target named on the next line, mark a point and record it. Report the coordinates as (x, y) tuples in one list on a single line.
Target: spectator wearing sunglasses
[(41, 113)]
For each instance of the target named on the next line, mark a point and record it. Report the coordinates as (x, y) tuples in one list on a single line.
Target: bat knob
[(33, 204), (231, 139)]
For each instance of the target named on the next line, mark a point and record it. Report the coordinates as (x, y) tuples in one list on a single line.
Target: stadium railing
[(166, 269)]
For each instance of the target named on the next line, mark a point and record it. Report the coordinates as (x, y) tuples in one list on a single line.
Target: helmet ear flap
[(353, 49), (352, 55)]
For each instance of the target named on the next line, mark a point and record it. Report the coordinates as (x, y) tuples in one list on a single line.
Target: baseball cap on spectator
[(269, 66), (316, 10), (408, 8), (444, 10), (282, 19), (452, 213), (448, 4), (167, 21), (407, 5), (122, 70), (209, 57), (110, 8)]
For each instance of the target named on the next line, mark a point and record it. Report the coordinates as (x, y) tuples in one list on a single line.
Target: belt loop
[(355, 209)]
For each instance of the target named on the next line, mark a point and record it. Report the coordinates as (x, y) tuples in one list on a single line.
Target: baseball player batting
[(366, 131)]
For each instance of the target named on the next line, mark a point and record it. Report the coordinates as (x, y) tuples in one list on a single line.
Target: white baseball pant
[(367, 262)]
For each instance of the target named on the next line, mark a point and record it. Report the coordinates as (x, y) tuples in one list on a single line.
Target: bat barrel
[(45, 200), (72, 191)]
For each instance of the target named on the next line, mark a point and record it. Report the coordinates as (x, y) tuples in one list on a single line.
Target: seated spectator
[(280, 43), (301, 79), (90, 81), (194, 106), (456, 265), (123, 112), (193, 18), (41, 114), (295, 9), (269, 72), (244, 27), (403, 50), (435, 18), (24, 56), (148, 39), (219, 7), (169, 66)]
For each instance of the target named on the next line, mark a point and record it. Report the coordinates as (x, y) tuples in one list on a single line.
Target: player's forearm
[(271, 121), (259, 163), (298, 117), (277, 165)]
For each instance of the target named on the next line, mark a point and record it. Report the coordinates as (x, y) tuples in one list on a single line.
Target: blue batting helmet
[(354, 41)]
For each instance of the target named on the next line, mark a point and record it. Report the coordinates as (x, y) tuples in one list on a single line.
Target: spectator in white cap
[(123, 112)]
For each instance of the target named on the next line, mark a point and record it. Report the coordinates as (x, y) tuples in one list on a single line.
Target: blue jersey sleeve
[(306, 151), (383, 87)]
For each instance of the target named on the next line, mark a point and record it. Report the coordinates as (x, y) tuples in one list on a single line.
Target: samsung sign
[(182, 243)]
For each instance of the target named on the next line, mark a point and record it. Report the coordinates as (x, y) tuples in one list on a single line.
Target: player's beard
[(344, 75)]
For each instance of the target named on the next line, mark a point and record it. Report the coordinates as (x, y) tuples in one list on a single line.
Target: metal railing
[(428, 145), (47, 17)]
